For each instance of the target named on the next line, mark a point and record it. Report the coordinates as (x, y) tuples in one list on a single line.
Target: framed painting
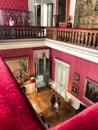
[(91, 90), (20, 68), (75, 89), (76, 77), (62, 10)]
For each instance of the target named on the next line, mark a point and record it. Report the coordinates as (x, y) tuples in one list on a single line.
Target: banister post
[(54, 33)]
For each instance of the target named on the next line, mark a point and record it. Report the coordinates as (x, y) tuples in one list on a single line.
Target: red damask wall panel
[(14, 4), (18, 9), (84, 68)]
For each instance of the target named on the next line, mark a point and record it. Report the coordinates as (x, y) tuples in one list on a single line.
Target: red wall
[(14, 53), (14, 4), (84, 68)]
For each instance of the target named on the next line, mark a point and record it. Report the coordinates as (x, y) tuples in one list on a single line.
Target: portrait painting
[(91, 90), (62, 10), (75, 89), (76, 77)]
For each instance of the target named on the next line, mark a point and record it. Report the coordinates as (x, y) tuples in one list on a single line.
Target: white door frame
[(62, 70)]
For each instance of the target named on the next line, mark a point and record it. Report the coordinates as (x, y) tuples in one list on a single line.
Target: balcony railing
[(21, 32), (81, 37)]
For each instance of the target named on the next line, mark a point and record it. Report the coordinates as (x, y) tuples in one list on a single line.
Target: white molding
[(21, 43), (62, 70), (74, 101), (61, 62), (79, 51), (82, 52)]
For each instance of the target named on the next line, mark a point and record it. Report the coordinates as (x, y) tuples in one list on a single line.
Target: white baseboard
[(74, 101)]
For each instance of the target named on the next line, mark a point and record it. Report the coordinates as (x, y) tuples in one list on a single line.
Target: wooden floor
[(41, 103)]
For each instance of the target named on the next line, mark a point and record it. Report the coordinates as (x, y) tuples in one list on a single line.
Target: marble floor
[(41, 102)]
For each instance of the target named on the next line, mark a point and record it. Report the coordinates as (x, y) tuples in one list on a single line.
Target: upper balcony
[(70, 40), (21, 32), (80, 37)]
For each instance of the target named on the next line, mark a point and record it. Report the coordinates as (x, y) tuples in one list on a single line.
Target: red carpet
[(17, 114), (15, 111)]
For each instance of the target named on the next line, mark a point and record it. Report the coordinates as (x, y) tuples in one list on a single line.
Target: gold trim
[(87, 86), (20, 68), (74, 89)]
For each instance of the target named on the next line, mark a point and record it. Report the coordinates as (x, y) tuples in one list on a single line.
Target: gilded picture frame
[(74, 89), (76, 77), (62, 7), (20, 68), (91, 90)]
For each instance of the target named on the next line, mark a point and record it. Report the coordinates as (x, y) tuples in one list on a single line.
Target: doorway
[(41, 67), (62, 70), (38, 15), (44, 14)]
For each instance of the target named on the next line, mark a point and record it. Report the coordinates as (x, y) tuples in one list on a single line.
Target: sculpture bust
[(69, 25)]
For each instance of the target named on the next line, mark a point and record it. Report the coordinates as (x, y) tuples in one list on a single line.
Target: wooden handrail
[(16, 32), (81, 37)]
